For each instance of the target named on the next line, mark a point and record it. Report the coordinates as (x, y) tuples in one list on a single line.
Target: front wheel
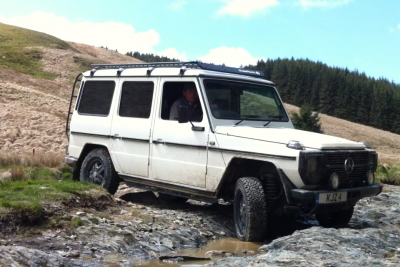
[(97, 168), (335, 218), (250, 210)]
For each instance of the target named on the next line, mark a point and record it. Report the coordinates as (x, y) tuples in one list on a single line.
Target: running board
[(176, 190)]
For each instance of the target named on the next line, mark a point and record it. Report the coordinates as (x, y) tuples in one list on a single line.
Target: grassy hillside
[(18, 50)]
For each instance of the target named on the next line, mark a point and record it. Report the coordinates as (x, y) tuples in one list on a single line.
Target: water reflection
[(222, 247)]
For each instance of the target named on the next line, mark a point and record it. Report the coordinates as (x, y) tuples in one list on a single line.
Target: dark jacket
[(195, 109)]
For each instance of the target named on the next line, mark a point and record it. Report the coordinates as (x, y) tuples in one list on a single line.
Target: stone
[(216, 253), (73, 254)]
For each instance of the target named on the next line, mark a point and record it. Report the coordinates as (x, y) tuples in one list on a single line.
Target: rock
[(123, 212), (22, 256), (80, 213), (62, 253), (73, 254), (175, 259), (218, 253), (327, 247), (386, 166)]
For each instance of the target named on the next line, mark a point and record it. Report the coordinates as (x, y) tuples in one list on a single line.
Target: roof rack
[(184, 66)]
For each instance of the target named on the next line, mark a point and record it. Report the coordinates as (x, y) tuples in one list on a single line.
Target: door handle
[(116, 136), (158, 141)]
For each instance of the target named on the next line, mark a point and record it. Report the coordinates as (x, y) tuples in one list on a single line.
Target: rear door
[(131, 125)]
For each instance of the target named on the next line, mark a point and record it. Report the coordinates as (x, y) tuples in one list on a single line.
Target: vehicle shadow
[(223, 214)]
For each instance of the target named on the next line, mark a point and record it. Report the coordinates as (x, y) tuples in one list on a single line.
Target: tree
[(307, 120)]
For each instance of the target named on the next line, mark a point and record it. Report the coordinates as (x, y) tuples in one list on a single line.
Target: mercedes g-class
[(208, 132)]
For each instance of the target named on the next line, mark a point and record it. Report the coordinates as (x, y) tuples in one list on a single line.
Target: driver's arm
[(174, 112)]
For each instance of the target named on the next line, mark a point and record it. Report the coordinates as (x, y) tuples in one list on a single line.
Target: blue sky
[(357, 34)]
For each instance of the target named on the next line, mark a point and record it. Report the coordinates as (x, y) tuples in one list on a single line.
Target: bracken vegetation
[(50, 160)]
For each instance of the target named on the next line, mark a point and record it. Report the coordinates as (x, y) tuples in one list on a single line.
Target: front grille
[(335, 163)]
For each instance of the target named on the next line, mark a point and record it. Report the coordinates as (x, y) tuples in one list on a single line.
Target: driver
[(189, 98)]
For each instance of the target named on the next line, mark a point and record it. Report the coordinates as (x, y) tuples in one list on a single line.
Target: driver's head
[(190, 92)]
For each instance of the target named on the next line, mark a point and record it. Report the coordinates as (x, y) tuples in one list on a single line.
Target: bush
[(388, 174), (307, 120), (17, 173)]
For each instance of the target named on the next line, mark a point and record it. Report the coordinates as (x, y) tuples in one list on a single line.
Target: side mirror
[(184, 114)]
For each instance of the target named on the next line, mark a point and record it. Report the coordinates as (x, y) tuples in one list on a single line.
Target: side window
[(176, 94), (136, 99), (96, 98)]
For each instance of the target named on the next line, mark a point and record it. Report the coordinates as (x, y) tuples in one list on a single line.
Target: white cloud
[(177, 5), (398, 26), (245, 8), (230, 56), (114, 35), (323, 3), (173, 53)]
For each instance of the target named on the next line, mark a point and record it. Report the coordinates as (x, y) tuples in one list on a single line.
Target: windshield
[(243, 101)]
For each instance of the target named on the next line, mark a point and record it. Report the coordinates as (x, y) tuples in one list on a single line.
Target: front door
[(131, 125), (179, 153)]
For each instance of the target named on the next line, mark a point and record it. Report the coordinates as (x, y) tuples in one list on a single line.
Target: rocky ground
[(136, 227), (133, 228)]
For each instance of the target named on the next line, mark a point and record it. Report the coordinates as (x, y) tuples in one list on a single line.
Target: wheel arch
[(240, 167), (84, 152)]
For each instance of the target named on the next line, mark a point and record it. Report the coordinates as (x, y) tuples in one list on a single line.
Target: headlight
[(311, 167), (370, 178), (334, 181)]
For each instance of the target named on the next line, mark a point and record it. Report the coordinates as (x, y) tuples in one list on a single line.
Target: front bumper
[(301, 196), (70, 161)]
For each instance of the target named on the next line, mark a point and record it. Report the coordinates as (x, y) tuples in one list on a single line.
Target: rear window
[(96, 98), (136, 99)]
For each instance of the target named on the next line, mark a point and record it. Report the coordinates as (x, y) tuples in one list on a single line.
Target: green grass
[(30, 191), (388, 174), (77, 223), (25, 196), (14, 55)]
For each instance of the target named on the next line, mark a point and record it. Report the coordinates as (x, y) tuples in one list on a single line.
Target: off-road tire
[(250, 219), (172, 199), (335, 218), (101, 157)]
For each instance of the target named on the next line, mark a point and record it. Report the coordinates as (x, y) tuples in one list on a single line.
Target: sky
[(361, 35)]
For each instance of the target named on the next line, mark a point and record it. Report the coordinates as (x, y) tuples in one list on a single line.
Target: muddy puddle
[(213, 250)]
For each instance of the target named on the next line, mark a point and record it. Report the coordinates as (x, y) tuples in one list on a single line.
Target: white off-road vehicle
[(241, 147)]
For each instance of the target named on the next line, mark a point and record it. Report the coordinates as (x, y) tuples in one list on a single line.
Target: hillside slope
[(387, 144), (35, 90), (33, 107)]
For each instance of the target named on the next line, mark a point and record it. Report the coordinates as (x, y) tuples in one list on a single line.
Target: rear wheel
[(97, 168), (250, 210), (335, 218)]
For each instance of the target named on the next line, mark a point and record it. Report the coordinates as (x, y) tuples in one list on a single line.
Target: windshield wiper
[(236, 124), (268, 122)]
